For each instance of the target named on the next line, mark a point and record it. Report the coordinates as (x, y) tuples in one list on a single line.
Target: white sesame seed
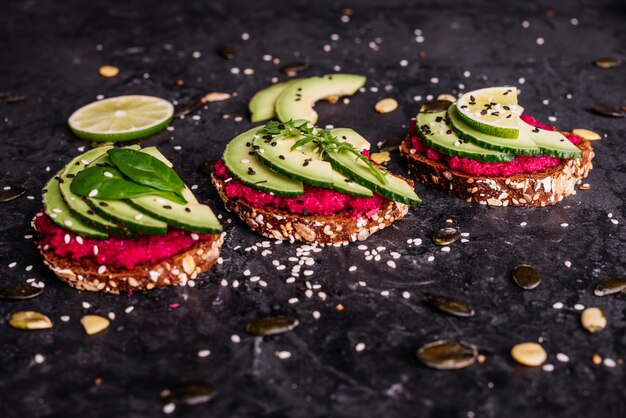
[(445, 249), (391, 264), (525, 24), (65, 318), (86, 305), (359, 347), (138, 216), (234, 70), (564, 225), (308, 272), (548, 367), (283, 355), (552, 118), (168, 408), (563, 358), (523, 223), (235, 338), (102, 269), (579, 307), (79, 240), (327, 48), (111, 316), (39, 358), (434, 80), (254, 279), (540, 41), (95, 250), (129, 309), (558, 305), (614, 221), (290, 280), (568, 264), (13, 264), (93, 193), (262, 283), (245, 36), (404, 63), (352, 268), (293, 300), (431, 258), (574, 21), (384, 293), (406, 295), (67, 238), (316, 314), (609, 362), (204, 353)]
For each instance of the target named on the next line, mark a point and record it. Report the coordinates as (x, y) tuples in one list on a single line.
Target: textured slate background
[(49, 51)]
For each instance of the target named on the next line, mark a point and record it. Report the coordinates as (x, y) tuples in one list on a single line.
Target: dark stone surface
[(48, 51)]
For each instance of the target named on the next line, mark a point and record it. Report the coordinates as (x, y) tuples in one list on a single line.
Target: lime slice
[(121, 118), (493, 111)]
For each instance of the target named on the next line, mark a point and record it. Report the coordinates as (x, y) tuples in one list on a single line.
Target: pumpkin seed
[(94, 324), (108, 71), (20, 292), (446, 236), (226, 52), (587, 135), (386, 105), (435, 107), (447, 96), (11, 97), (449, 305), (607, 111), (447, 355), (185, 107), (293, 68), (193, 392), (29, 320), (391, 144), (526, 277), (610, 286), (272, 325), (607, 62), (529, 354), (593, 320), (380, 157), (207, 167), (12, 193)]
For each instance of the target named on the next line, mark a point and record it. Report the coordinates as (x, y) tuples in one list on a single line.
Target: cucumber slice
[(522, 145), (58, 211), (242, 162), (436, 133), (551, 143), (76, 203), (395, 189), (262, 105), (275, 152)]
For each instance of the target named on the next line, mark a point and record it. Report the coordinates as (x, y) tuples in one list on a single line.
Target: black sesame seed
[(103, 204), (167, 207), (187, 210)]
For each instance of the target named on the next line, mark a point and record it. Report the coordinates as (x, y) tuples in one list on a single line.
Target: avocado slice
[(275, 152), (551, 143), (242, 162), (120, 212), (58, 211), (522, 145), (436, 133), (192, 216), (346, 163), (263, 104), (76, 203), (297, 100)]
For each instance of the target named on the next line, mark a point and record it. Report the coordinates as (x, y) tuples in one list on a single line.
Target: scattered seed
[(386, 105), (193, 392), (447, 355), (20, 292), (94, 324), (294, 68), (607, 62), (449, 305), (11, 194), (607, 111), (332, 99), (593, 320), (596, 359), (380, 157), (610, 286), (447, 96), (526, 277), (446, 236), (391, 144), (272, 325), (435, 107), (214, 97), (11, 97), (30, 320), (108, 71), (226, 52), (529, 354), (586, 134)]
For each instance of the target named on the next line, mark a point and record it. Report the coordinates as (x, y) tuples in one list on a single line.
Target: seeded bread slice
[(534, 189), (86, 274), (279, 224)]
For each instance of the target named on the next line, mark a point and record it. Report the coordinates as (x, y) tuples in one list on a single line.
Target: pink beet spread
[(521, 164), (315, 201), (115, 252)]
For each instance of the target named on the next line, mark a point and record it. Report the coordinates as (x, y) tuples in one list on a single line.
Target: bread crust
[(84, 274), (532, 189), (282, 225)]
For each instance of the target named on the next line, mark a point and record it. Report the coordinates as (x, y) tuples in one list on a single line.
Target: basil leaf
[(145, 169), (108, 183)]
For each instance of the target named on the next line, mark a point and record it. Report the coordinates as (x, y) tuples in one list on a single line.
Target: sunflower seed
[(526, 277), (449, 305), (386, 105), (447, 355), (436, 106), (272, 325), (193, 392), (610, 286), (11, 194), (185, 107), (391, 144), (294, 68), (20, 292), (215, 97), (11, 97), (446, 96), (529, 354), (94, 324), (607, 111), (207, 167), (226, 52), (593, 320), (29, 320), (587, 135), (607, 62), (446, 236)]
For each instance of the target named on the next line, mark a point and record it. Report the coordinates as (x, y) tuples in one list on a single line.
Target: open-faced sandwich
[(483, 149), (121, 219), (293, 181)]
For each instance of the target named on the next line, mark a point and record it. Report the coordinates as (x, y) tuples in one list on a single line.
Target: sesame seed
[(283, 355), (558, 305), (204, 353), (568, 264), (609, 362), (391, 264), (352, 268), (129, 309), (563, 358), (523, 223), (93, 193), (434, 80), (86, 305), (614, 221), (245, 36), (13, 264), (111, 316), (168, 408), (431, 258), (540, 41), (290, 280), (235, 338), (65, 318), (384, 293), (579, 307), (67, 238), (548, 367), (316, 314), (404, 63), (359, 347), (525, 24), (445, 249), (39, 358), (293, 300), (574, 21), (102, 269), (552, 118), (564, 225)]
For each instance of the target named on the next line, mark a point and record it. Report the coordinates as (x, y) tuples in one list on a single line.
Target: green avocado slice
[(551, 143), (262, 106)]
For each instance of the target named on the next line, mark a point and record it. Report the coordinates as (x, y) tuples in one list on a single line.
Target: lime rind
[(121, 118)]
